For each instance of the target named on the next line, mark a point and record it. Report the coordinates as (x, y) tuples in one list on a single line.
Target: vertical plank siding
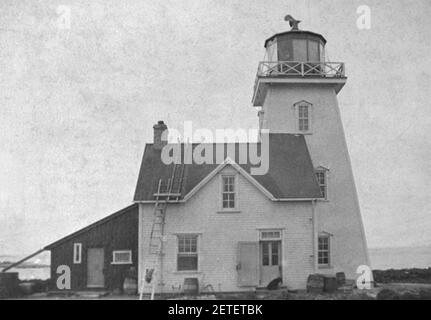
[(118, 233)]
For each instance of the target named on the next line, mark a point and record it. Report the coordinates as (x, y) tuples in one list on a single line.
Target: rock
[(425, 294), (207, 297), (388, 294), (409, 296)]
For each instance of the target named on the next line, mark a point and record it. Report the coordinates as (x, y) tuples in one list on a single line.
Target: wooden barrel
[(27, 287), (130, 286), (9, 284), (191, 286), (341, 278)]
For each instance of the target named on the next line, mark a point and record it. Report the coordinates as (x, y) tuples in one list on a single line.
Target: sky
[(78, 101)]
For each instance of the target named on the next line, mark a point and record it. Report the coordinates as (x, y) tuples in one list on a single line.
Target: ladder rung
[(166, 194)]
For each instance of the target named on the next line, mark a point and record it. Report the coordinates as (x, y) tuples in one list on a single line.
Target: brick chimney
[(159, 128)]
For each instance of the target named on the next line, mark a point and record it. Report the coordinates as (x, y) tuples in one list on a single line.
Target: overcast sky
[(77, 105)]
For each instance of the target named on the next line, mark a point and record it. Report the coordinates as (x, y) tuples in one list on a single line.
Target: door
[(270, 261), (248, 264), (95, 266)]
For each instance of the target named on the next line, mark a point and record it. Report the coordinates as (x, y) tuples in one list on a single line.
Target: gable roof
[(290, 174), (92, 226), (238, 168)]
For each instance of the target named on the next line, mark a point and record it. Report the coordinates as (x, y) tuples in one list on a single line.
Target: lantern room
[(296, 57), (295, 45)]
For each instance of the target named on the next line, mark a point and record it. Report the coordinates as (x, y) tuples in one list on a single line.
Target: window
[(303, 114), (321, 180), (303, 117), (77, 253), (270, 235), (299, 49), (228, 192), (270, 253), (187, 259), (313, 51), (122, 257), (321, 52), (323, 251)]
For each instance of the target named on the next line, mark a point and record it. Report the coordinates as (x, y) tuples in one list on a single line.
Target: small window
[(228, 192), (187, 258), (303, 116), (323, 252), (321, 180), (77, 253), (270, 235), (122, 257)]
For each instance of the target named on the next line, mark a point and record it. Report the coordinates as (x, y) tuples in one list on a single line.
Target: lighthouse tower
[(296, 92)]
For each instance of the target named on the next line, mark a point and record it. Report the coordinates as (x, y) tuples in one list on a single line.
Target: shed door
[(248, 264), (95, 265)]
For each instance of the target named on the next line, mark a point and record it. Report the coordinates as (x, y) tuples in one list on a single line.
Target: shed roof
[(290, 174), (91, 226)]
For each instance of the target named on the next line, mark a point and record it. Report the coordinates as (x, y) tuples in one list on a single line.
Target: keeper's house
[(100, 255)]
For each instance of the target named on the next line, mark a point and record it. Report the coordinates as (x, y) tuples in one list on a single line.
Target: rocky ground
[(390, 291), (405, 284)]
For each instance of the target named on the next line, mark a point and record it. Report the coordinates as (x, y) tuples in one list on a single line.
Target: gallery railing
[(301, 69)]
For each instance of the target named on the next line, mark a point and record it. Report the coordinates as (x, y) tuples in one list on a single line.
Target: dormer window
[(303, 111)]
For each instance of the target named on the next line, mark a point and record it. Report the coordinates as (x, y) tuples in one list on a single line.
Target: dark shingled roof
[(127, 210), (290, 174)]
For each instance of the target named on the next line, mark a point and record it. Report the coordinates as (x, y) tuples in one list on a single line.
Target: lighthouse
[(296, 92)]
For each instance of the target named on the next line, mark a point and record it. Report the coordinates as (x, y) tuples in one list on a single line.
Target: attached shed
[(100, 255)]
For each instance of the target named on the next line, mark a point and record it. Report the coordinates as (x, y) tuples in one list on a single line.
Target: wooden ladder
[(169, 192)]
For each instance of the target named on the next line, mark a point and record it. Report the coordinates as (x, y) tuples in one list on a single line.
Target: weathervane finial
[(292, 22)]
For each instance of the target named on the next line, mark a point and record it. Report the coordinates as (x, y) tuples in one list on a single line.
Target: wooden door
[(95, 266), (248, 264)]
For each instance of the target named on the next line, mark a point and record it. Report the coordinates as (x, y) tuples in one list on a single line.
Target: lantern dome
[(296, 45)]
